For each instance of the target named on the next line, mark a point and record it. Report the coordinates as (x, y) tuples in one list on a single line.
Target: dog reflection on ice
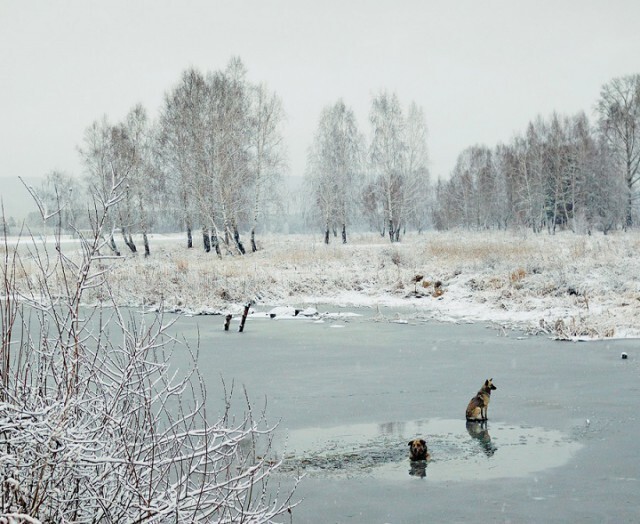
[(418, 468), (478, 431)]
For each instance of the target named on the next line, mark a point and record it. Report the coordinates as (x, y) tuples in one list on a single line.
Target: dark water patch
[(459, 451)]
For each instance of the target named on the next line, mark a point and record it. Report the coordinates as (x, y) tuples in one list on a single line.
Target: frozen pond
[(561, 443)]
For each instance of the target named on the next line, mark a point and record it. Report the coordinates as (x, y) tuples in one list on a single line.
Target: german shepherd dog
[(477, 408), (418, 450)]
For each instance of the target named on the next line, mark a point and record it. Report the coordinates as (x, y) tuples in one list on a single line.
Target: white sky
[(480, 69)]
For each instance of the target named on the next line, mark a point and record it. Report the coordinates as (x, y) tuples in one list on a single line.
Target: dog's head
[(488, 384), (418, 449)]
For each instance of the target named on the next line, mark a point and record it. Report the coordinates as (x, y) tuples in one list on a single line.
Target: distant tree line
[(211, 164), (561, 172)]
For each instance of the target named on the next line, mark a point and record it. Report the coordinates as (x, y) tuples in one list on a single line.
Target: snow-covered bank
[(565, 285)]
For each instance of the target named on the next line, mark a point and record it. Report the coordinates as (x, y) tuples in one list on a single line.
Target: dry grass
[(517, 275), (503, 271)]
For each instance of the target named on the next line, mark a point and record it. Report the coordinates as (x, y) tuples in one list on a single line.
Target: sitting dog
[(418, 450), (477, 408)]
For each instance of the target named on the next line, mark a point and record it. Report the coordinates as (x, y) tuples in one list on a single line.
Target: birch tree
[(227, 149), (220, 141), (334, 168), (102, 172), (470, 194), (181, 129), (419, 191), (267, 150), (387, 156), (606, 189), (143, 180), (619, 121)]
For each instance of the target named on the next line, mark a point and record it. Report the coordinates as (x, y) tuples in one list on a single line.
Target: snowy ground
[(566, 285)]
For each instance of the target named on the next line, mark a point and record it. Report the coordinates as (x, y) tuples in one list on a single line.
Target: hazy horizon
[(480, 71)]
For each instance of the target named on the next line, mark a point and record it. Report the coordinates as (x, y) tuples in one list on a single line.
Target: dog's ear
[(410, 442), (486, 382), (423, 442)]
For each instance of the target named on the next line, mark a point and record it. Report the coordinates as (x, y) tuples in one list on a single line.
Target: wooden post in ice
[(227, 321), (244, 316)]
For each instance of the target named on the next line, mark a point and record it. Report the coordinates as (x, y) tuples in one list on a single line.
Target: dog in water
[(477, 408), (418, 450)]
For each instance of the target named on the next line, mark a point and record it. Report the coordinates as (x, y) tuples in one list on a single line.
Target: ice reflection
[(418, 468), (478, 430), (459, 450)]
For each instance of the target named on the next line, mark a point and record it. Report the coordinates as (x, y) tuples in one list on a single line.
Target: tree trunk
[(132, 246), (112, 245), (189, 237), (205, 239), (254, 248), (344, 233), (326, 234), (215, 242), (187, 219), (147, 250), (128, 240), (629, 210), (236, 239)]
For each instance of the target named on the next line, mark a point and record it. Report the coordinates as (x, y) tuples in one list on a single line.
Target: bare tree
[(101, 172), (60, 191), (267, 150), (144, 177), (619, 112), (525, 176), (334, 167), (180, 139), (227, 149), (582, 168), (605, 189), (387, 155), (419, 194)]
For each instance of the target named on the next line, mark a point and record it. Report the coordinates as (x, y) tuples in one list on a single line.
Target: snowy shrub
[(95, 426)]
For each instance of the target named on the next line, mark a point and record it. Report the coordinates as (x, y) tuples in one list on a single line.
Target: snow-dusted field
[(566, 285)]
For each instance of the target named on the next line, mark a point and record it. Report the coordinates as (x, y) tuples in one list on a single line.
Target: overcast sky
[(479, 69)]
